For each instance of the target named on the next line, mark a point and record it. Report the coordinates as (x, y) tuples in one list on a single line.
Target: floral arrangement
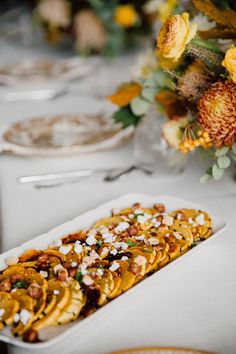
[(191, 78), (94, 26)]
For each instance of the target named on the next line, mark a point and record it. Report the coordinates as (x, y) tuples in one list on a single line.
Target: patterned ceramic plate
[(158, 350), (64, 134), (38, 71)]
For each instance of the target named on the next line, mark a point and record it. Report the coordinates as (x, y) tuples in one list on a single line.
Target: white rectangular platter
[(54, 335)]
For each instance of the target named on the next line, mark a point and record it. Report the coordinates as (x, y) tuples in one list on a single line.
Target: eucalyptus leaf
[(217, 172), (139, 106), (149, 93), (205, 178), (223, 161), (221, 152)]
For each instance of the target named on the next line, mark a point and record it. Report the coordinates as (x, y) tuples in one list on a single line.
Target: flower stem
[(209, 57)]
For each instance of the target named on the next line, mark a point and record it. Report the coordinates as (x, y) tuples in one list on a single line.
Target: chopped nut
[(62, 274), (17, 277), (5, 285), (135, 268), (159, 207), (133, 231), (43, 259), (30, 336), (35, 291)]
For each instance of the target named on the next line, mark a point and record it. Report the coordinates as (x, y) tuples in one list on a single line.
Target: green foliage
[(126, 117), (139, 106)]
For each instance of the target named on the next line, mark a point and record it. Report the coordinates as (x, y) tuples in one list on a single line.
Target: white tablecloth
[(193, 306)]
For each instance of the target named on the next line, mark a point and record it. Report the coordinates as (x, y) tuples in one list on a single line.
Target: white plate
[(63, 134), (55, 334), (157, 350), (41, 71)]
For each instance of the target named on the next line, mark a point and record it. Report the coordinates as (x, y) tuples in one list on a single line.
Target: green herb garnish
[(136, 215), (99, 244), (131, 243), (100, 266), (20, 284), (79, 276)]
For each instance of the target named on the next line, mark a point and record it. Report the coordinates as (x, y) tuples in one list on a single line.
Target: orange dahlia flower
[(217, 112)]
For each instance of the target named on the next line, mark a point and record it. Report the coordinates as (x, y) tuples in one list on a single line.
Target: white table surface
[(192, 307)]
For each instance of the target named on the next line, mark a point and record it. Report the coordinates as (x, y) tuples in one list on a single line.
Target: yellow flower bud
[(174, 35), (229, 62)]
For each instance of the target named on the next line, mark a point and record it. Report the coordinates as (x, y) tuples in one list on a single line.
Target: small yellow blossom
[(126, 16), (174, 35), (229, 62)]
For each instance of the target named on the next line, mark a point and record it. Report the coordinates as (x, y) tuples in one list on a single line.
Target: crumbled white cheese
[(91, 240), (74, 264), (56, 292), (2, 311), (140, 238), (57, 268), (122, 226), (87, 280), (103, 229), (78, 248), (153, 241), (107, 235), (16, 317), (83, 269), (200, 219), (94, 255), (100, 272), (43, 273), (179, 216), (25, 315), (157, 224), (12, 260), (177, 235), (131, 216), (124, 246), (142, 219), (140, 260), (124, 258), (57, 243), (115, 265), (109, 239), (114, 252), (168, 220), (138, 211), (65, 249), (191, 222)]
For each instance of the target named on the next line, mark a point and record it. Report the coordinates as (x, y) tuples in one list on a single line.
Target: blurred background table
[(192, 307)]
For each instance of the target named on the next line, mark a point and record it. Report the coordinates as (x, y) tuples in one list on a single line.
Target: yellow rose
[(174, 35), (126, 16), (229, 62)]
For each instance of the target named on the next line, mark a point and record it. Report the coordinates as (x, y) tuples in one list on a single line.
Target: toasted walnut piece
[(30, 336), (137, 205), (17, 277), (80, 236), (133, 231), (62, 274), (35, 291), (43, 259), (135, 268), (159, 218), (72, 272), (159, 207), (124, 234), (5, 285)]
